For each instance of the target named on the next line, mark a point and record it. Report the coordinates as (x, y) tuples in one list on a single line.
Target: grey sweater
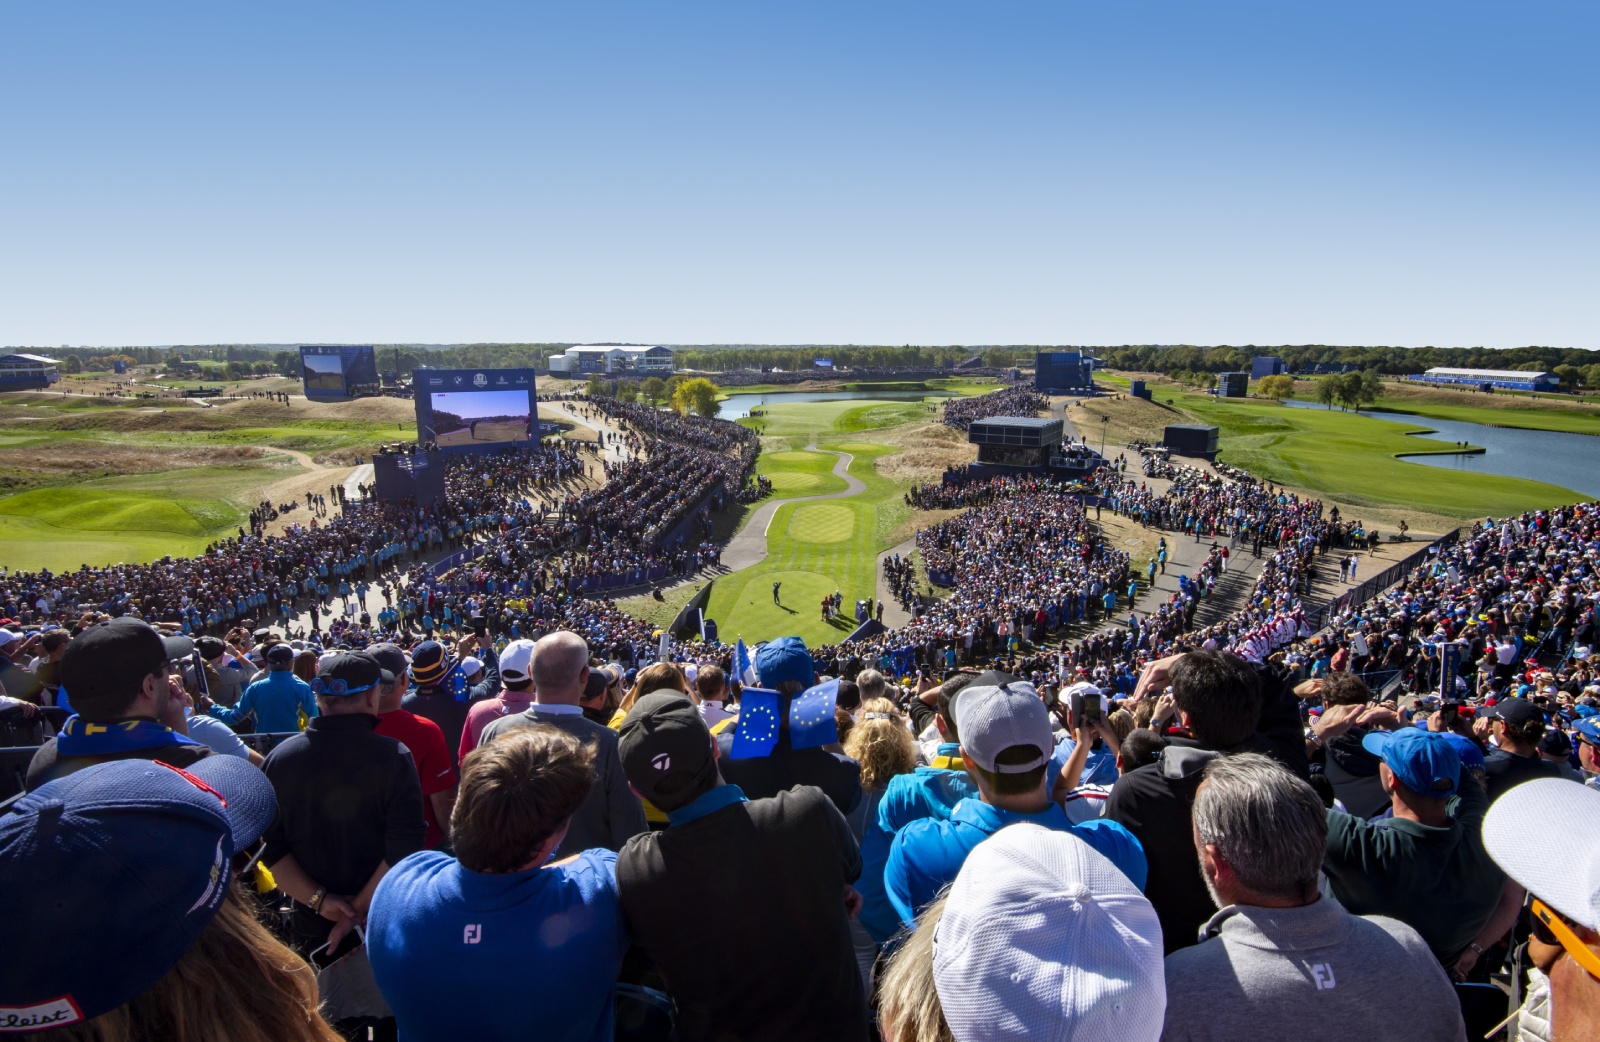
[(1312, 973), (612, 813)]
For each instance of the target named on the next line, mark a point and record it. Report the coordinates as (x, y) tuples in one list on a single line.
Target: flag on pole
[(758, 725), (743, 669)]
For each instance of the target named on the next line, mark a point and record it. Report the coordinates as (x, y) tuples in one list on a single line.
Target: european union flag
[(742, 667), (758, 725), (811, 719)]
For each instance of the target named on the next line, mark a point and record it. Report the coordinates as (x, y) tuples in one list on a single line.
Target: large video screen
[(335, 373), (1059, 370), (475, 409)]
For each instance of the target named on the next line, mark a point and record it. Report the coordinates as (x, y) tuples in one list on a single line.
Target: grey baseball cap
[(992, 719)]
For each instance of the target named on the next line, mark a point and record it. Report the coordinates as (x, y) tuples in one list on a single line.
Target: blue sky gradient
[(931, 172)]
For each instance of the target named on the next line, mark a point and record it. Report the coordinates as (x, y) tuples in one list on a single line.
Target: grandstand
[(1483, 379)]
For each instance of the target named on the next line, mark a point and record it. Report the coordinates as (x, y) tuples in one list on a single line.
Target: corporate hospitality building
[(1505, 379), (607, 359), (27, 372)]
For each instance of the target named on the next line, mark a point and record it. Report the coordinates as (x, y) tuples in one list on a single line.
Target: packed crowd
[(1010, 401), (1205, 850)]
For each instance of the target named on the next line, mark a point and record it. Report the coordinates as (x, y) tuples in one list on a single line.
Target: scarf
[(79, 737)]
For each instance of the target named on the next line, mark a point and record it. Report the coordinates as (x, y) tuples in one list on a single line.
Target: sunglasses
[(1550, 928), (335, 688)]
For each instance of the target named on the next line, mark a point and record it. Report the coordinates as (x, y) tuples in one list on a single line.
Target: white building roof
[(626, 349), (1489, 374)]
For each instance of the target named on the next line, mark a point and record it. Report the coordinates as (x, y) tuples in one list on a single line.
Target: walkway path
[(894, 616)]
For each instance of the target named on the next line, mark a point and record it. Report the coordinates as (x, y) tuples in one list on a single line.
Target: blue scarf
[(79, 737)]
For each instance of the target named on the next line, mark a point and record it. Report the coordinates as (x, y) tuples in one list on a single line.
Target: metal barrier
[(1318, 617)]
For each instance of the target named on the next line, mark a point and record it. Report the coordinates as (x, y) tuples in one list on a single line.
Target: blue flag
[(758, 724), (743, 670), (811, 720)]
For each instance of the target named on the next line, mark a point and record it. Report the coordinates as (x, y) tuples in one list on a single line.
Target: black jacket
[(784, 768)]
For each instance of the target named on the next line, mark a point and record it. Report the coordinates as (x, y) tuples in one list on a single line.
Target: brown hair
[(201, 998), (1342, 688), (883, 747), (516, 792), (305, 666), (658, 676), (908, 1003)]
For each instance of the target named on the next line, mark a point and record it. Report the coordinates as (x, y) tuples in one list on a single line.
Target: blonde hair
[(884, 748), (908, 1003), (658, 676), (1121, 723), (236, 982)]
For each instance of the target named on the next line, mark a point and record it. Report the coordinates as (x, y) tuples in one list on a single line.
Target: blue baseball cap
[(1424, 761), (785, 659), (1467, 749), (121, 866), (1588, 729)]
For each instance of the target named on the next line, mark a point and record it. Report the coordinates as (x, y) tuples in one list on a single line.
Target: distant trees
[(1570, 375), (1280, 386), (1328, 390), (1350, 390), (597, 388), (653, 390), (627, 391), (697, 396)]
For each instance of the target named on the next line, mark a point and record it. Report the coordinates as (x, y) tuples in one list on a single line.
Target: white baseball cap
[(7, 637), (990, 720), (691, 671), (1546, 835), (470, 666), (1044, 939), (516, 662)]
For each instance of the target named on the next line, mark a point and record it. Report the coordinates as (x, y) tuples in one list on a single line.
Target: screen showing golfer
[(479, 417), (323, 374)]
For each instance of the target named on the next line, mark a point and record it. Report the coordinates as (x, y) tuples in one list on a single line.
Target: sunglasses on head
[(336, 687), (1551, 928)]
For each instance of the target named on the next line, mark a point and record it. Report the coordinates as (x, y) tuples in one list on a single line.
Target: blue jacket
[(277, 699), (927, 854), (927, 792)]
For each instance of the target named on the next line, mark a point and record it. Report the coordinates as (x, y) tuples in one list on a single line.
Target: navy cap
[(1556, 743), (1518, 712), (429, 662), (785, 659), (280, 657), (1425, 762), (358, 670), (123, 864)]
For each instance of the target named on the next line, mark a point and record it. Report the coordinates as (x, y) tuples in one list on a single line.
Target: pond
[(738, 406), (1569, 460)]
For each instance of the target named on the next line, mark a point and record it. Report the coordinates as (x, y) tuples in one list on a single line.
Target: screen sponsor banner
[(475, 409)]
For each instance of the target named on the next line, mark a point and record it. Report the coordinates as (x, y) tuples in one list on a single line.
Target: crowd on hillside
[(1010, 401)]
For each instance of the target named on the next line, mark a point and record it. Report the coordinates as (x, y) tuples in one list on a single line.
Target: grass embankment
[(97, 481), (813, 549)]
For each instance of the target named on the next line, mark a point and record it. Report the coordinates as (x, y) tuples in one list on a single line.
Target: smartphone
[(325, 956), (1449, 712), (480, 625), (1087, 710)]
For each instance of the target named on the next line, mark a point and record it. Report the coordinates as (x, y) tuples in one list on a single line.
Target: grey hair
[(871, 683), (1266, 823)]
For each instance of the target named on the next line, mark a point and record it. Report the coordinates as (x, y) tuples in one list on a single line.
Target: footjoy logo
[(661, 761), (472, 934), (1322, 973)]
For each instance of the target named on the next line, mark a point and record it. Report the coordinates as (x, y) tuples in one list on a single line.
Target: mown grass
[(813, 549), (1353, 458)]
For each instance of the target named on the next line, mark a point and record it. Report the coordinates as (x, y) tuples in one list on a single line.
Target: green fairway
[(1352, 458), (846, 416), (1571, 421), (135, 517), (814, 549)]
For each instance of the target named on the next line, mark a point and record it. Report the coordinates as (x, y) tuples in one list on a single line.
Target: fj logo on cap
[(472, 934), (661, 761)]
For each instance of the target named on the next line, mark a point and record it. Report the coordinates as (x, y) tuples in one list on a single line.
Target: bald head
[(560, 661)]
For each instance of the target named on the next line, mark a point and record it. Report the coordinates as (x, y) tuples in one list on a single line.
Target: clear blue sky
[(924, 172)]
